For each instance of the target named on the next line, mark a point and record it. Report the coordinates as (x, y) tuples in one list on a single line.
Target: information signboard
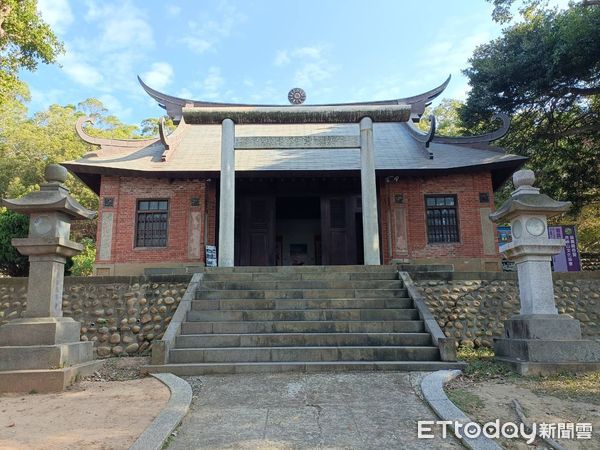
[(568, 258), (211, 256)]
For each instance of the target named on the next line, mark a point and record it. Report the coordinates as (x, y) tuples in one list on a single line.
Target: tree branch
[(585, 91)]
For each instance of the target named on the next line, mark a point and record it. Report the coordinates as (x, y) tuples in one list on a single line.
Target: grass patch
[(464, 400), (171, 437), (482, 366), (584, 387)]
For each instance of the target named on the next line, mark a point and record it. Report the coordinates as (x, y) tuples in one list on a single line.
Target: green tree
[(83, 264), (447, 117), (544, 71), (149, 127), (27, 145), (25, 40), (12, 225)]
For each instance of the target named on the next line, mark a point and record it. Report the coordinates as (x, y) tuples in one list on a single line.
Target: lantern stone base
[(43, 354), (45, 380), (546, 344), (40, 331)]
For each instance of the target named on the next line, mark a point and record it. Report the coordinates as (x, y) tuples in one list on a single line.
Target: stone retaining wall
[(121, 315), (472, 307)]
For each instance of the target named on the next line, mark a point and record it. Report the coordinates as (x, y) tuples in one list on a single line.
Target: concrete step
[(284, 354), (302, 314), (300, 269), (302, 284), (302, 366), (325, 303), (296, 276), (318, 326), (426, 267), (300, 293), (302, 339)]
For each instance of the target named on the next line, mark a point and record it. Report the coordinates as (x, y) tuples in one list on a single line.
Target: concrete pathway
[(307, 411)]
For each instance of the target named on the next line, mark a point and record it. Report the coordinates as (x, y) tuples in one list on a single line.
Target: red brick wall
[(127, 190), (466, 186)]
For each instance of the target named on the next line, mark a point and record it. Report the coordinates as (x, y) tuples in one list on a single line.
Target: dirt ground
[(496, 403), (109, 410)]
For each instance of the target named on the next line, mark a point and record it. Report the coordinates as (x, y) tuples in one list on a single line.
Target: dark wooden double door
[(340, 239)]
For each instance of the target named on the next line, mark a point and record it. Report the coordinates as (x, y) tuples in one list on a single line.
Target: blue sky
[(256, 50)]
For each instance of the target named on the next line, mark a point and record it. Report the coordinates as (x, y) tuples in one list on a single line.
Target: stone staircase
[(271, 319)]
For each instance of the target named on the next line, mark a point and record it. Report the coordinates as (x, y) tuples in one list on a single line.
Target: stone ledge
[(154, 436), (40, 357), (529, 368), (432, 387), (46, 380), (497, 276)]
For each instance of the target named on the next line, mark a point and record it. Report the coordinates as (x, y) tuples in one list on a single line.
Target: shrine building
[(337, 184)]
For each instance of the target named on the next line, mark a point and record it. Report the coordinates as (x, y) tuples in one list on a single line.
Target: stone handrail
[(161, 348), (446, 345)]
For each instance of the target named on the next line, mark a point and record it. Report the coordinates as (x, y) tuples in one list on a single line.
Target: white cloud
[(312, 72), (212, 83), (185, 93), (197, 44), (282, 58), (121, 41), (159, 76), (114, 106), (445, 52), (79, 70), (309, 52), (41, 99), (173, 10), (205, 34), (313, 65), (57, 13), (121, 24)]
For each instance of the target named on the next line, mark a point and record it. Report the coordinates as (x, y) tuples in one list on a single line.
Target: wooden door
[(257, 231), (338, 230)]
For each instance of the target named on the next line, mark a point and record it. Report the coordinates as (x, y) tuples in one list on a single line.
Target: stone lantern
[(42, 351), (538, 340)]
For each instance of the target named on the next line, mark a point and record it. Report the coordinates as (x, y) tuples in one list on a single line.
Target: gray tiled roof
[(198, 150)]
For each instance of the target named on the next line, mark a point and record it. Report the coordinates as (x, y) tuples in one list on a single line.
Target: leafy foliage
[(588, 228), (447, 117), (28, 145), (25, 39), (12, 225), (149, 127), (83, 264), (545, 72)]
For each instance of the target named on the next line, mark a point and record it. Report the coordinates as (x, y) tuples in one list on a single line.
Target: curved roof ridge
[(131, 143), (174, 105), (485, 138), (172, 139)]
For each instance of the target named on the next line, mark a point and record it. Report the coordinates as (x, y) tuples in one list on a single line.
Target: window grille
[(442, 218), (151, 226)]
